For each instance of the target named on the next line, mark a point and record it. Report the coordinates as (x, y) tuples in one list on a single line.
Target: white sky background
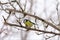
[(39, 9)]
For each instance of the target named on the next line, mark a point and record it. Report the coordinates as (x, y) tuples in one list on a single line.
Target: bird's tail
[(35, 24)]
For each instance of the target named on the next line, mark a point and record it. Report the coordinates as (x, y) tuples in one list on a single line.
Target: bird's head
[(25, 20)]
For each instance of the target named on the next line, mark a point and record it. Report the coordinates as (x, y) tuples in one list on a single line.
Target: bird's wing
[(33, 23)]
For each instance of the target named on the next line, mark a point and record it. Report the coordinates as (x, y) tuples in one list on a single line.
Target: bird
[(28, 23)]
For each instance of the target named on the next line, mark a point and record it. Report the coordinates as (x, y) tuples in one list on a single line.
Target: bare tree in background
[(15, 11)]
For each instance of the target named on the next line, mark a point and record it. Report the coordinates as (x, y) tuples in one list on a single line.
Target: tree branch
[(32, 29), (52, 25)]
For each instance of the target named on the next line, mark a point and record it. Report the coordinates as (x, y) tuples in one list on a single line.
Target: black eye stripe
[(26, 20)]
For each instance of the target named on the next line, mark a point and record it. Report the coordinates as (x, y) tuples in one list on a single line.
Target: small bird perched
[(28, 23)]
